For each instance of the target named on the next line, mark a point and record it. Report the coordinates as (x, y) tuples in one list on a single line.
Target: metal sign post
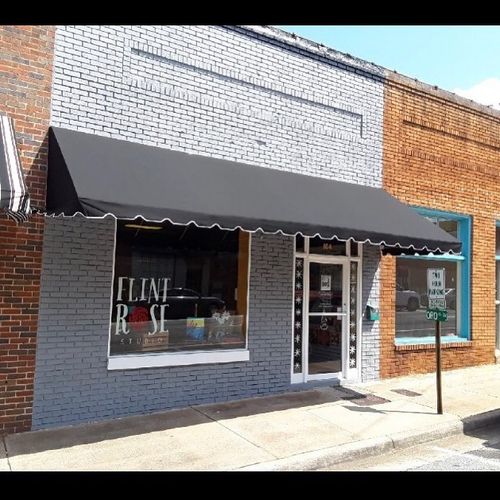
[(438, 369), (437, 311)]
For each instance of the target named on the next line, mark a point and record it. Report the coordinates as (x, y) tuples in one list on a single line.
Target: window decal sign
[(326, 282)]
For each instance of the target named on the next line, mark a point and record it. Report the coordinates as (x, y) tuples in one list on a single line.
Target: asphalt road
[(477, 451), (415, 324)]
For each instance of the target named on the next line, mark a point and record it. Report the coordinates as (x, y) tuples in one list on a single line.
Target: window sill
[(135, 361), (445, 344)]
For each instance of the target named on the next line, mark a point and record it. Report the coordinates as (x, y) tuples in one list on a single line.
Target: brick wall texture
[(73, 384), (442, 154), (224, 92), (25, 87)]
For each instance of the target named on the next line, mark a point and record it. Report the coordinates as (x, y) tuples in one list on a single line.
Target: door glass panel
[(325, 331), (327, 247), (325, 288), (325, 344)]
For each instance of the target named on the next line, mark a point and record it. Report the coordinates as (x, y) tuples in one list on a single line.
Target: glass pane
[(411, 298), (354, 249), (325, 344), (320, 246), (300, 243), (498, 241), (450, 226), (325, 288), (178, 288)]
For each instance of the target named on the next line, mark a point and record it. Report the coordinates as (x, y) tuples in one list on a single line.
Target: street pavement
[(301, 430), (479, 450)]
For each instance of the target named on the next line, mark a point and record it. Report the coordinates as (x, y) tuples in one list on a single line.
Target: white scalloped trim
[(279, 231)]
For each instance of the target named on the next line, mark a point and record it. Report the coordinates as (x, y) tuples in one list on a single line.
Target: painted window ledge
[(411, 344), (131, 362)]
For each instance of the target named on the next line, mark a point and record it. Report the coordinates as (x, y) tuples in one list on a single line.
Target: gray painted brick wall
[(72, 382), (218, 91), (370, 339), (228, 93)]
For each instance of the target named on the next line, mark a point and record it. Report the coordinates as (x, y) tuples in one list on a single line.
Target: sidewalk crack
[(237, 433)]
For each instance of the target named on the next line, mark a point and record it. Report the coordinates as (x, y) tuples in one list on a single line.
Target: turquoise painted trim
[(464, 235), (434, 257), (439, 213), (429, 340)]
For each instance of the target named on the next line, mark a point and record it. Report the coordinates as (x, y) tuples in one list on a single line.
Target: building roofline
[(315, 48), (435, 91), (323, 51)]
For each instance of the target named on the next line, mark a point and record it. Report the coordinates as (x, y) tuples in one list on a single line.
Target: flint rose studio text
[(142, 290)]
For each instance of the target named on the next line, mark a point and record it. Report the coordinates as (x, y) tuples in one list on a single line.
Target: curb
[(327, 457)]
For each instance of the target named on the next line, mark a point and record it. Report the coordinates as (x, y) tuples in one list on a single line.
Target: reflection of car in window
[(408, 299), (185, 303)]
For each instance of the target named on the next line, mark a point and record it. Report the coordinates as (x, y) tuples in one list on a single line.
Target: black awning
[(14, 198), (96, 176)]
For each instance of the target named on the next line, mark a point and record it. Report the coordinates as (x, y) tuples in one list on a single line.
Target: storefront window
[(411, 288), (178, 288)]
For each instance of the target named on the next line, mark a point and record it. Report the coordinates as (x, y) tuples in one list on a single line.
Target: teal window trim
[(464, 235)]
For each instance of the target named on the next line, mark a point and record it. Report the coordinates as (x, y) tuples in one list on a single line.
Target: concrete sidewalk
[(294, 431)]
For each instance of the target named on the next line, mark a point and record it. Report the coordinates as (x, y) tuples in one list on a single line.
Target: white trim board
[(176, 359)]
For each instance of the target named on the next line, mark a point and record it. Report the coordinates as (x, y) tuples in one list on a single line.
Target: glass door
[(327, 310)]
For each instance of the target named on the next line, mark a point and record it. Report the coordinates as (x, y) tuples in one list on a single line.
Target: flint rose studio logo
[(138, 318), (149, 291)]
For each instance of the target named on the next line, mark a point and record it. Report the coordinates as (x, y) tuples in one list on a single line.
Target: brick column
[(25, 89)]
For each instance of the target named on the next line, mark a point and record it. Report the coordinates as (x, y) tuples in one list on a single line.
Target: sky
[(462, 59)]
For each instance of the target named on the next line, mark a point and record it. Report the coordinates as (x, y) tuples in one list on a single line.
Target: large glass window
[(178, 288), (411, 287)]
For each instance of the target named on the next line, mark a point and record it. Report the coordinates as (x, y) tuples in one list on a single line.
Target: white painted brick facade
[(224, 92)]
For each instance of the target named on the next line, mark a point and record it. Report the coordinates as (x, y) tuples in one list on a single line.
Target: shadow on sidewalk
[(485, 426), (65, 437)]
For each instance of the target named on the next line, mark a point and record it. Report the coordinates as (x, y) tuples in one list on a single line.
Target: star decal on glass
[(299, 263), (298, 325), (352, 349), (297, 338), (298, 300), (299, 274), (352, 362), (297, 353), (353, 337), (298, 312), (298, 285), (297, 366)]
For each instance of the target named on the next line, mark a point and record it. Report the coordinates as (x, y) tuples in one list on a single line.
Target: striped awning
[(14, 199)]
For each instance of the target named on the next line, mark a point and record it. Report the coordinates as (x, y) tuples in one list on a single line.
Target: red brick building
[(25, 87), (442, 152)]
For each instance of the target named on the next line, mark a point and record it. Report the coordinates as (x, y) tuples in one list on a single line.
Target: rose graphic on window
[(138, 318)]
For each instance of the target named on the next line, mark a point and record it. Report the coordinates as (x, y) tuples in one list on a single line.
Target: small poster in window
[(326, 282), (195, 328)]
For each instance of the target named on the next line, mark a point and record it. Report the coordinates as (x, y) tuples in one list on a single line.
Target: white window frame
[(347, 374), (185, 358)]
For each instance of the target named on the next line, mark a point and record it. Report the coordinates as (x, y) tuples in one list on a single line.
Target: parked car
[(408, 299), (184, 302)]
